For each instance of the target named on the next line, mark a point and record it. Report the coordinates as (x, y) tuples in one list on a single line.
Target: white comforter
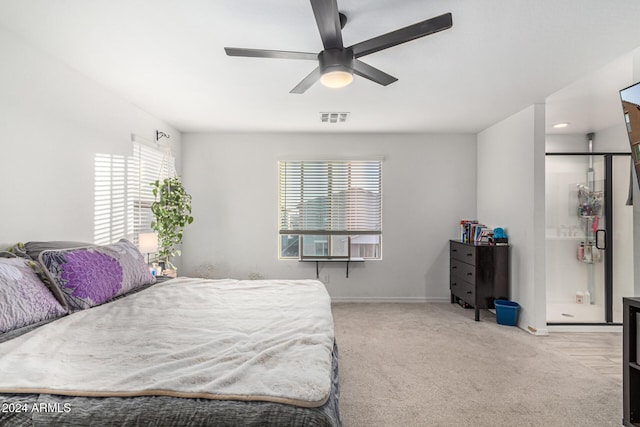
[(218, 339)]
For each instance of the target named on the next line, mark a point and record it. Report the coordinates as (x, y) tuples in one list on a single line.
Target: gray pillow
[(33, 249)]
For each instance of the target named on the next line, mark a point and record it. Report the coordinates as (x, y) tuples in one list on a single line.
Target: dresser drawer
[(463, 290), (463, 270), (462, 252)]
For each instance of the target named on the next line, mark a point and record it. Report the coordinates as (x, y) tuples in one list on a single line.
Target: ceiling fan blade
[(328, 20), (262, 53), (403, 35), (371, 73), (307, 82)]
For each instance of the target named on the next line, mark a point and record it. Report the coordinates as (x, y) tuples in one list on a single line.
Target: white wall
[(566, 143), (636, 197), (428, 186), (613, 139), (53, 120), (511, 195)]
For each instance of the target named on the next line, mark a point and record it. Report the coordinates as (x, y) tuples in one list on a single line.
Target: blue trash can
[(506, 312)]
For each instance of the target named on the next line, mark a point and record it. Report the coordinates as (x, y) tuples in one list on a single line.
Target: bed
[(88, 338)]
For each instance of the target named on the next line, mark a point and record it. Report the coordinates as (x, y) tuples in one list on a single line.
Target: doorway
[(589, 237)]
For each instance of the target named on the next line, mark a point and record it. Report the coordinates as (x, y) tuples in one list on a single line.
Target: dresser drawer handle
[(469, 274), (454, 284), (469, 254), (469, 292), (453, 267), (454, 250)]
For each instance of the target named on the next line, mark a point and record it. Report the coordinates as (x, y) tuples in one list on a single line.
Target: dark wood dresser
[(478, 274), (631, 361)]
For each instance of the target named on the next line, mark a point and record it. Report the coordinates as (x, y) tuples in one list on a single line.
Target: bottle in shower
[(587, 253), (581, 252)]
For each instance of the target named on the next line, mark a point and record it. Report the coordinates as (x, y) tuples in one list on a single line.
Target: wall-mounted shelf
[(321, 259)]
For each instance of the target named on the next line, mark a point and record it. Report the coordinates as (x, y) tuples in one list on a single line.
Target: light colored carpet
[(433, 365)]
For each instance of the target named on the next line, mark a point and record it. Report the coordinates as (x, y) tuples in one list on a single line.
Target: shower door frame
[(608, 244)]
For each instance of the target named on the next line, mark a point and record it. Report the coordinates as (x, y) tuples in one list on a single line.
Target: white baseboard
[(534, 331), (390, 299), (584, 328)]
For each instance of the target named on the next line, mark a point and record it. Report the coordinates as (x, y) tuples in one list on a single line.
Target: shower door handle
[(604, 246)]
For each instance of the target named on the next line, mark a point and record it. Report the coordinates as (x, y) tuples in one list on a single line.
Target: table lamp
[(148, 243)]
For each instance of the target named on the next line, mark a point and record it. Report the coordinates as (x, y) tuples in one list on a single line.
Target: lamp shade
[(148, 243), (336, 79)]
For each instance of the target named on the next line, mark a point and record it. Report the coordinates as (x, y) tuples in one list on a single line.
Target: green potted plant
[(172, 209)]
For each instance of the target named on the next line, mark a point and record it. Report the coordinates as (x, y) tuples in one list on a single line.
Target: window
[(123, 194), (627, 121), (147, 165), (330, 209)]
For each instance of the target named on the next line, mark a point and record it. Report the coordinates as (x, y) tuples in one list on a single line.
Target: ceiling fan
[(338, 64)]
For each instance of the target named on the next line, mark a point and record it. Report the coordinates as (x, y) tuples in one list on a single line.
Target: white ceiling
[(167, 57), (591, 103)]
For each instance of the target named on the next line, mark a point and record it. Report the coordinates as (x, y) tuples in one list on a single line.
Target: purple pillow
[(93, 275), (23, 297)]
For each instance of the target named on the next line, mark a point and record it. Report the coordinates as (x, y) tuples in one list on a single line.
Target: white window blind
[(123, 194), (330, 197), (148, 164), (111, 220)]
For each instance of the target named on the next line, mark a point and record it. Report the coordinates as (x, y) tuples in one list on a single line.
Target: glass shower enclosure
[(589, 237)]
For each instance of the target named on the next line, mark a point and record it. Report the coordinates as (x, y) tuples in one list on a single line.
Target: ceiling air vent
[(333, 117)]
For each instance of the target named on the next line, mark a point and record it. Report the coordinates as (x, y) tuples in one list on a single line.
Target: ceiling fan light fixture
[(336, 79), (336, 66)]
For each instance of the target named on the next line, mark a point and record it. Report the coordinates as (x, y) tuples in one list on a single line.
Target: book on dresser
[(478, 274)]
